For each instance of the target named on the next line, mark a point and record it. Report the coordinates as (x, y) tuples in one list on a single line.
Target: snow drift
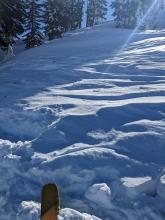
[(91, 117)]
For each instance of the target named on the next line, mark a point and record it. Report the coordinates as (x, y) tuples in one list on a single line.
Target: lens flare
[(142, 21)]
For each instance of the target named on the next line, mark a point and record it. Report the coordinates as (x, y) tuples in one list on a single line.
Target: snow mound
[(29, 210), (99, 194), (75, 215), (84, 114), (21, 123), (138, 185), (161, 187)]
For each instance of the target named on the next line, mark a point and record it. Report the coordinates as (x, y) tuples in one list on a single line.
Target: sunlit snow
[(82, 113)]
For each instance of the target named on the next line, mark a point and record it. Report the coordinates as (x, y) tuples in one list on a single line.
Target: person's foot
[(50, 202), (52, 214)]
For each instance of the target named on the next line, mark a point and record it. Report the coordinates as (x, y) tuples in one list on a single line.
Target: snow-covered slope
[(91, 117)]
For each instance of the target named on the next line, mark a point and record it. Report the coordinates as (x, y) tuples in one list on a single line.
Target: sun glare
[(143, 20)]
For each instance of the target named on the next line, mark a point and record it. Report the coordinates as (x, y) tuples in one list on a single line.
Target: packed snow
[(89, 116)]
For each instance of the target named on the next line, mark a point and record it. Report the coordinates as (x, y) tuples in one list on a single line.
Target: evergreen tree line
[(37, 19), (128, 13)]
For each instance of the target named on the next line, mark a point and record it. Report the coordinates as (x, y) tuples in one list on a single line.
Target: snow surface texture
[(91, 117)]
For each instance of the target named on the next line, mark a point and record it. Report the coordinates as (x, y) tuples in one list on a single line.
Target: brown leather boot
[(50, 202)]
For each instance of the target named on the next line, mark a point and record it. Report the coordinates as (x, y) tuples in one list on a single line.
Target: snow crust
[(89, 116)]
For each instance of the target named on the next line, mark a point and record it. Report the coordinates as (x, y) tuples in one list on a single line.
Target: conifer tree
[(61, 16), (50, 22), (52, 17), (34, 37), (162, 4), (79, 13), (96, 12), (75, 13), (90, 13), (144, 6), (11, 20), (125, 13)]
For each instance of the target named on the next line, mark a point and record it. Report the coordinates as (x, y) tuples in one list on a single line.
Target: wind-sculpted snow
[(82, 113)]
